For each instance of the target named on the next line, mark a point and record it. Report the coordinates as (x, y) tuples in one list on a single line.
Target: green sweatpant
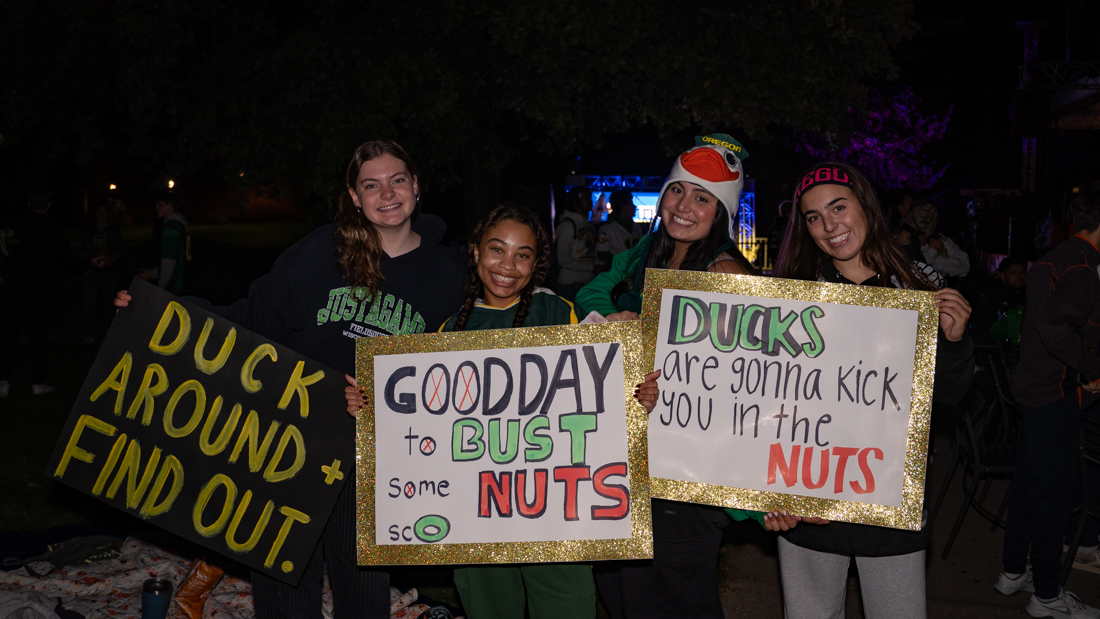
[(554, 590)]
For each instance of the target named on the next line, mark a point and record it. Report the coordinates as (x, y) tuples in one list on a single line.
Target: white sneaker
[(1066, 605), (1011, 586), (41, 389), (5, 388), (1086, 561)]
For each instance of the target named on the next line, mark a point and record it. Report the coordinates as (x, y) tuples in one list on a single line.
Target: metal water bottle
[(156, 594)]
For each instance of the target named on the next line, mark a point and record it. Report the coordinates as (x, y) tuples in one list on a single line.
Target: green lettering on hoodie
[(395, 323)]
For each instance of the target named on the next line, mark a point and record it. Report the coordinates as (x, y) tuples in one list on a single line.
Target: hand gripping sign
[(211, 432), (778, 394), (503, 446)]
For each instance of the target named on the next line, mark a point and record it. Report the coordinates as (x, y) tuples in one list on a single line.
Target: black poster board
[(211, 432)]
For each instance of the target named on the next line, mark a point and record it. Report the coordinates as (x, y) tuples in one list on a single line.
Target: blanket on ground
[(112, 587)]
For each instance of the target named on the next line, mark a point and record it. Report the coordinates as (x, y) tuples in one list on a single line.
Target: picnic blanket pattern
[(112, 587)]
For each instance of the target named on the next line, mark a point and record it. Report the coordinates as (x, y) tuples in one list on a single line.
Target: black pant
[(356, 591), (682, 579), (99, 310), (1043, 488), (29, 308)]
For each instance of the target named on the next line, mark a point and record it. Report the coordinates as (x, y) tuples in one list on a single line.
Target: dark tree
[(277, 92), (887, 138)]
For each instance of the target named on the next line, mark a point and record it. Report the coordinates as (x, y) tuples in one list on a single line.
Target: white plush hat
[(715, 165)]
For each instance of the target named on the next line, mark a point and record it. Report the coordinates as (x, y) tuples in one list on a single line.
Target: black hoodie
[(305, 304)]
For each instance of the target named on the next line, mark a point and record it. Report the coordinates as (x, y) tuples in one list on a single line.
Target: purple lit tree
[(886, 141)]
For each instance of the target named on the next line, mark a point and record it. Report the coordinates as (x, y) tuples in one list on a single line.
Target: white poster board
[(509, 445), (775, 391)]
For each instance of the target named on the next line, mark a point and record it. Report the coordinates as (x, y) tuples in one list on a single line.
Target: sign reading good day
[(503, 446), (774, 391), (211, 432)]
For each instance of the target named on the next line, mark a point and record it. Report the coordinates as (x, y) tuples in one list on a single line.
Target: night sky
[(115, 95)]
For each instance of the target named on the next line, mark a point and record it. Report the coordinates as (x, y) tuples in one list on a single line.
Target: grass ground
[(32, 424), (255, 235), (228, 257)]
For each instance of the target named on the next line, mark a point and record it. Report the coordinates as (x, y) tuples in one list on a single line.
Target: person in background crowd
[(382, 264), (696, 204), (620, 233), (776, 230), (100, 249), (576, 244), (938, 251), (30, 273), (1056, 383), (899, 211), (837, 233), (169, 274), (1004, 301)]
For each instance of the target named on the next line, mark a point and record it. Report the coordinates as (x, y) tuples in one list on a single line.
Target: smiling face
[(687, 211), (385, 191), (837, 224), (505, 259)]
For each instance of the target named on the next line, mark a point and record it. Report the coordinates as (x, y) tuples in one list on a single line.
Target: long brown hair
[(358, 245), (801, 258), (475, 289)]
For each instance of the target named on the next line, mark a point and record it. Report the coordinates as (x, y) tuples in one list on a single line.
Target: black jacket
[(1061, 328), (954, 370), (305, 304)]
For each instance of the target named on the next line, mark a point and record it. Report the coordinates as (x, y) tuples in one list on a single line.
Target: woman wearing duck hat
[(697, 204)]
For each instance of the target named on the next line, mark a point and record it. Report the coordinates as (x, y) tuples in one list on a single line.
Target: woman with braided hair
[(508, 258)]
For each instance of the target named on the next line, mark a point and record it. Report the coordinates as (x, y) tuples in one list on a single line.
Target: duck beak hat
[(715, 165)]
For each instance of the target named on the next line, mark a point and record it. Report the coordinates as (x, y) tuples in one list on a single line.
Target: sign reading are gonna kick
[(211, 432), (503, 446), (780, 394)]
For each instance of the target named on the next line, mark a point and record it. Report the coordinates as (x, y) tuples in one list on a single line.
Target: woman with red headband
[(697, 204), (837, 233)]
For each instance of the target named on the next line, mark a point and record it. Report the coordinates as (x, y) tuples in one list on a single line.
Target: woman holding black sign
[(697, 203), (837, 234), (379, 270)]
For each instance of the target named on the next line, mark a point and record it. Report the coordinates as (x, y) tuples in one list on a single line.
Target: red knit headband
[(822, 176)]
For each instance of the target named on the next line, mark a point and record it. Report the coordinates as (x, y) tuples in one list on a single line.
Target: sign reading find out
[(211, 432)]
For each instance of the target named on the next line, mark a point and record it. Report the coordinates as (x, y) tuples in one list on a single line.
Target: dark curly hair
[(1086, 211), (474, 288), (358, 246)]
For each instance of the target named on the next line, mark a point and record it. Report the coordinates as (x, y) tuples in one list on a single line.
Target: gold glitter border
[(638, 546), (908, 514)]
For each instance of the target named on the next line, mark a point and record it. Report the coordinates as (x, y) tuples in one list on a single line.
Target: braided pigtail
[(538, 275), (475, 288), (472, 292)]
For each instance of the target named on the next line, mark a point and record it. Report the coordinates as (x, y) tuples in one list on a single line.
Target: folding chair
[(986, 448)]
